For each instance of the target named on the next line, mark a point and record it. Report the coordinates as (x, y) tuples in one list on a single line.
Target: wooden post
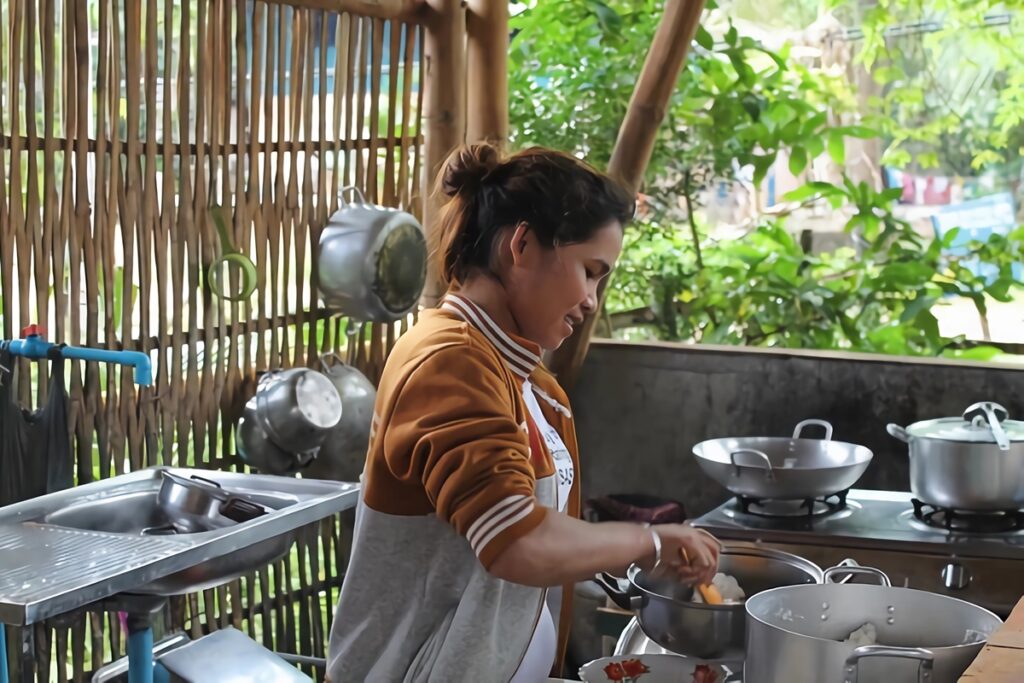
[(635, 143), (487, 71), (444, 109)]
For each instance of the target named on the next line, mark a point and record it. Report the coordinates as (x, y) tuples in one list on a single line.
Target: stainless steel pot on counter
[(974, 462), (796, 634), (667, 614), (783, 468)]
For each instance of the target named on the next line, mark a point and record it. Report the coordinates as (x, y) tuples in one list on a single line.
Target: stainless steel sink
[(68, 549)]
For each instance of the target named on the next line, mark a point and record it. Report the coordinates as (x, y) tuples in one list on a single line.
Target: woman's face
[(551, 290)]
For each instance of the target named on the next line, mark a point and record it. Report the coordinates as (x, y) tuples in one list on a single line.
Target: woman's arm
[(563, 550)]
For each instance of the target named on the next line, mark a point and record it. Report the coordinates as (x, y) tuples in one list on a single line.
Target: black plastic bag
[(35, 447)]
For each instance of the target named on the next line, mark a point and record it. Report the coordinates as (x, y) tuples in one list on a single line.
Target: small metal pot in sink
[(974, 462), (196, 504), (668, 615), (798, 634)]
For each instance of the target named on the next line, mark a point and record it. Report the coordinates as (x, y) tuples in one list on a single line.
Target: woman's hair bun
[(467, 169)]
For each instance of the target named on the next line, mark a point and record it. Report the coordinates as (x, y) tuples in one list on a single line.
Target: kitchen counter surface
[(1002, 659)]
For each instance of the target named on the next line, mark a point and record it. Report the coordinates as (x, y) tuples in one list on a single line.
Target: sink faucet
[(34, 345)]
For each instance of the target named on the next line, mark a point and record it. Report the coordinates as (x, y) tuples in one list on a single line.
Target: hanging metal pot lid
[(984, 422)]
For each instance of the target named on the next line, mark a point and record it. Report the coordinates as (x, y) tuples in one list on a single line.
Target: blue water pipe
[(140, 649), (34, 345), (3, 655)]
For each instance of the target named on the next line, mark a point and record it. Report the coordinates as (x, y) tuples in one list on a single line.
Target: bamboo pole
[(635, 142), (399, 10), (487, 72), (444, 109)]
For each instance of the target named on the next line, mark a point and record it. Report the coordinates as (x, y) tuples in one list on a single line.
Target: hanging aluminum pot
[(284, 424), (970, 463), (372, 261), (343, 452)]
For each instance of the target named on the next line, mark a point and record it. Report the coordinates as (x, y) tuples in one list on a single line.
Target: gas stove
[(975, 557)]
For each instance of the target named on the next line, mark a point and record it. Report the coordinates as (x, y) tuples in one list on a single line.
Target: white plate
[(649, 669)]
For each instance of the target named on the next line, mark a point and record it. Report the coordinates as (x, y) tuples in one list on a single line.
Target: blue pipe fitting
[(35, 346)]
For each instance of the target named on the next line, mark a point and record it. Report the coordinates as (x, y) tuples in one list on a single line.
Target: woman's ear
[(521, 238)]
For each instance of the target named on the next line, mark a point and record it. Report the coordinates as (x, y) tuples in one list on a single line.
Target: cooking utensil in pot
[(372, 262), (958, 463), (780, 468), (667, 614), (797, 633), (707, 591), (992, 414)]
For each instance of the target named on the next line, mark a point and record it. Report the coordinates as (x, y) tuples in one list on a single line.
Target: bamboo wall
[(122, 122)]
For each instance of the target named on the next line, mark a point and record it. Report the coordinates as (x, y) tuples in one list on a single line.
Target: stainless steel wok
[(779, 468)]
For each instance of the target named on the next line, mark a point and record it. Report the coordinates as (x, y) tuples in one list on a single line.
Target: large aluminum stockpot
[(796, 634)]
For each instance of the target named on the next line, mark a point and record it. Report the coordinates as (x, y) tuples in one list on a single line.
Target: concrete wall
[(640, 408)]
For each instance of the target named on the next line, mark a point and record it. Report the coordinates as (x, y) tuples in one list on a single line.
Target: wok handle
[(898, 432), (925, 657), (769, 474), (619, 591), (883, 578), (801, 426)]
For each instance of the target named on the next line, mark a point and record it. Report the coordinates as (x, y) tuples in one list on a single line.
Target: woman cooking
[(471, 492)]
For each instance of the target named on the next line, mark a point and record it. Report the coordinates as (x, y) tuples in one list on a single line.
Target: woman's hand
[(690, 554)]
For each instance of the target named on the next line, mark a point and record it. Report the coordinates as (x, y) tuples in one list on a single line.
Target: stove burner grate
[(807, 507), (997, 521)]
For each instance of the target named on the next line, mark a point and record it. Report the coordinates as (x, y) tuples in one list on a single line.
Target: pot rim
[(920, 425), (935, 648), (813, 570)]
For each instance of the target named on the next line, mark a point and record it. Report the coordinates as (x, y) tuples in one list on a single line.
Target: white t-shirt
[(540, 654)]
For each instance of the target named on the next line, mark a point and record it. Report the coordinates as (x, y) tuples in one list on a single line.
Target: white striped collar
[(522, 356)]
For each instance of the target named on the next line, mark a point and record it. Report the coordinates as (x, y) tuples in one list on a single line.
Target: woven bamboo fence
[(122, 122)]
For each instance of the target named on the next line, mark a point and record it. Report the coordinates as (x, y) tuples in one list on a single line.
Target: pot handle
[(619, 591), (883, 578), (769, 473), (993, 414), (333, 356), (360, 198), (898, 432), (813, 423), (924, 668)]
